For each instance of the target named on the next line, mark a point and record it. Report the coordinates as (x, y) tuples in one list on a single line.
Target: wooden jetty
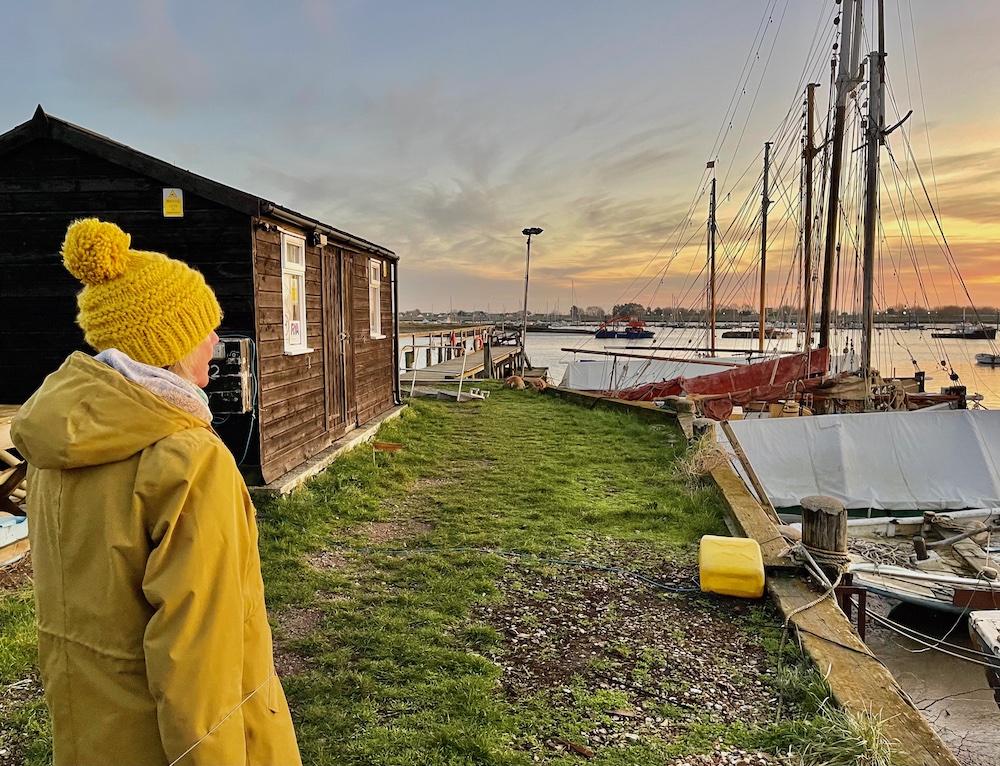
[(454, 353), (485, 363), (860, 683)]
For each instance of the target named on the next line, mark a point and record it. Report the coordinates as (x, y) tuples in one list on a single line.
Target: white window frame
[(293, 279), (375, 297)]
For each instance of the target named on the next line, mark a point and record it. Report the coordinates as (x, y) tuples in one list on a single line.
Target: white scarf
[(164, 383)]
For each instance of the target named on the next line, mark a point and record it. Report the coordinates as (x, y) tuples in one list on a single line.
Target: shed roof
[(43, 125)]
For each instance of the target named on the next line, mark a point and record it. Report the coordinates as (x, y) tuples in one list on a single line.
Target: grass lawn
[(518, 585)]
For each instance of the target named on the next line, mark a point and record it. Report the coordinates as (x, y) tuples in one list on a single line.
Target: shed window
[(375, 297), (293, 292)]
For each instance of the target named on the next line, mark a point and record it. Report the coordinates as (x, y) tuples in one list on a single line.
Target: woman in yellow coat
[(154, 646)]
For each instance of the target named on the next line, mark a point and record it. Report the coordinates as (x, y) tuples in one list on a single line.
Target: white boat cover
[(615, 373), (891, 461)]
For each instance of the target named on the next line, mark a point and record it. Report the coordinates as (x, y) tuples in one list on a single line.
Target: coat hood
[(87, 414)]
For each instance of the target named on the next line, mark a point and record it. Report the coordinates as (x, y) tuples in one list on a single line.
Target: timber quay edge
[(860, 683)]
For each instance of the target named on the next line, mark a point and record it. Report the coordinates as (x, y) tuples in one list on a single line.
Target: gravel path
[(678, 658)]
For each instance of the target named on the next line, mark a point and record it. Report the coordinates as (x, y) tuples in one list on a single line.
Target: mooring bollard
[(824, 536), (824, 524)]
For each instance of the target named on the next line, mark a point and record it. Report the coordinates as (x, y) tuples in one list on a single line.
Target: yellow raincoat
[(153, 638)]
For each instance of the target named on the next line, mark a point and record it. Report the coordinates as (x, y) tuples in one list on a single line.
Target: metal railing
[(462, 351)]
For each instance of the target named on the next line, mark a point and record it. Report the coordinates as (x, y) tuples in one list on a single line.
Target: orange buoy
[(479, 342)]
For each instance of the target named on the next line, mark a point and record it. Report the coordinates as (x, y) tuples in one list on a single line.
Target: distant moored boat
[(967, 331), (634, 329)]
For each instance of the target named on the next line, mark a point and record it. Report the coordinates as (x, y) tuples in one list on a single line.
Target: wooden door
[(333, 354), (348, 337)]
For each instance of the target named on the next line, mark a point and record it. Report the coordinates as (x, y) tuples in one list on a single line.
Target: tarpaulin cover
[(613, 373), (763, 380), (894, 461)]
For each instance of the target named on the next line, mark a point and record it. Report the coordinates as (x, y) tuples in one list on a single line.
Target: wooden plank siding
[(374, 358), (334, 342), (307, 401), (45, 185), (292, 386), (53, 172)]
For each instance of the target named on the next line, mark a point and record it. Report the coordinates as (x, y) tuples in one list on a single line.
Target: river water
[(952, 694), (893, 351)]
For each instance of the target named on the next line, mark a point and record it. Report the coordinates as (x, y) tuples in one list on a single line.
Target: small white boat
[(13, 538), (988, 360)]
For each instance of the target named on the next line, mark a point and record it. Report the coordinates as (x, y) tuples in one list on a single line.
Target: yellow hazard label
[(173, 203)]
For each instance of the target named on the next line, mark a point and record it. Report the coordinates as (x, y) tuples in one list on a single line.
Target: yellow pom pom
[(95, 251)]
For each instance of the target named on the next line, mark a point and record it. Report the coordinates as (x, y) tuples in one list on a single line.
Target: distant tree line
[(898, 314)]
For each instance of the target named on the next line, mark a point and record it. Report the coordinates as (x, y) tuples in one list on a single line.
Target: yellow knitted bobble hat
[(148, 306)]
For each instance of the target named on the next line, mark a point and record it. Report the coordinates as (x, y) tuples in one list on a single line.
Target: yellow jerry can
[(731, 566)]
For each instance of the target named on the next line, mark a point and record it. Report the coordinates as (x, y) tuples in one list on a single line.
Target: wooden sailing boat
[(863, 389)]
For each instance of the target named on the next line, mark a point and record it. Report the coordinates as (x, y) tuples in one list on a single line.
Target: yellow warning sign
[(173, 203)]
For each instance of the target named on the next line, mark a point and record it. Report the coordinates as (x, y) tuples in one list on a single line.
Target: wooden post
[(487, 358), (758, 486), (824, 524)]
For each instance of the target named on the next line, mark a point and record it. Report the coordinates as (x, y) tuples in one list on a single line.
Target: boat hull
[(755, 334), (982, 333), (623, 335), (984, 629)]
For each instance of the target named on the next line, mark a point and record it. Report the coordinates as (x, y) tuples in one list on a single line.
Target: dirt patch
[(677, 657), (422, 484), (13, 696), (298, 623), (328, 560), (289, 663), (385, 531), (17, 575), (294, 624)]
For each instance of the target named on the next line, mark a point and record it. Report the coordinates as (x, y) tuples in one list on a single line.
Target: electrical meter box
[(230, 383)]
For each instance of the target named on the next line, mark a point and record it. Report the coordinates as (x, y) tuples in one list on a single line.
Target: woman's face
[(200, 358)]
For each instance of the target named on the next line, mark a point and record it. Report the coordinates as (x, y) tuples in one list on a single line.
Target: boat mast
[(808, 154), (850, 45), (875, 136), (711, 267), (764, 202)]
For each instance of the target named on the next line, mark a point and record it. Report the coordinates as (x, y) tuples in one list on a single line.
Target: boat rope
[(819, 556), (933, 643), (812, 559), (880, 553)]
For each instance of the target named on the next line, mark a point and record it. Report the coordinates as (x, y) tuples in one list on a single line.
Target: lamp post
[(524, 317)]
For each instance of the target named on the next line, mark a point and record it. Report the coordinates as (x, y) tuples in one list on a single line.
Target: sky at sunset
[(441, 129)]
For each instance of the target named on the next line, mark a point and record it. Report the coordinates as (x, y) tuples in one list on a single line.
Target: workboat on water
[(627, 328), (771, 333), (966, 331)]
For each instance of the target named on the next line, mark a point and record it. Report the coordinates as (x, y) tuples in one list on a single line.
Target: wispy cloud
[(147, 64)]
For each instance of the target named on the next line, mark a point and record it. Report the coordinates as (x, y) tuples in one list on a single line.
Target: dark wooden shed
[(310, 327)]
